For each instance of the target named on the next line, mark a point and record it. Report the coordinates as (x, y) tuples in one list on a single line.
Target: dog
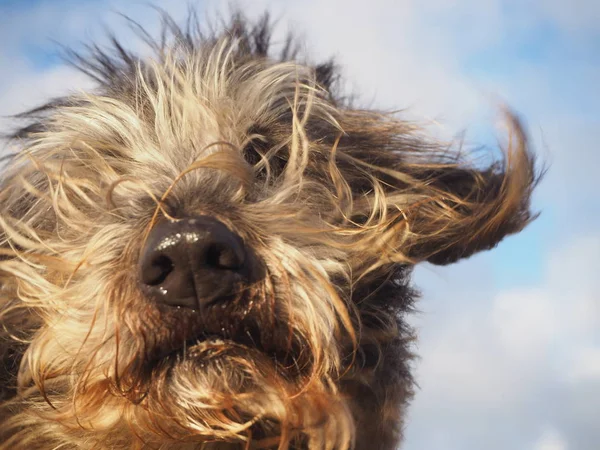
[(213, 250)]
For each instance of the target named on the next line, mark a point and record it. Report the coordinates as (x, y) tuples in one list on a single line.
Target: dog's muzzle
[(193, 263)]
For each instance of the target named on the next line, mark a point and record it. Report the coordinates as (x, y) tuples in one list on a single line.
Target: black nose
[(192, 262)]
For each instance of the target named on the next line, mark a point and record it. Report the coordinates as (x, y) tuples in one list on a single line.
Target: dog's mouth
[(210, 340), (216, 330)]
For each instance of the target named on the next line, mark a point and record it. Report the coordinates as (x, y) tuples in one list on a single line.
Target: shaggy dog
[(213, 250)]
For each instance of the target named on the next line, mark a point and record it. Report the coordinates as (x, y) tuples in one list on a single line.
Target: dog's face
[(213, 248)]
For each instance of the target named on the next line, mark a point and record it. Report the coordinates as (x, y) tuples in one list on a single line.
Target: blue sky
[(510, 339)]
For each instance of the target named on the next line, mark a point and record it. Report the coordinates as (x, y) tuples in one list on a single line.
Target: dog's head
[(214, 246)]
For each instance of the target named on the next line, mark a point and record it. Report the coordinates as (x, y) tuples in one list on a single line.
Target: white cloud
[(585, 365), (526, 355), (29, 89), (551, 439), (525, 322)]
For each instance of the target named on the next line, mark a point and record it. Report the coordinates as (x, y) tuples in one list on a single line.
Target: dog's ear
[(472, 210), (439, 207)]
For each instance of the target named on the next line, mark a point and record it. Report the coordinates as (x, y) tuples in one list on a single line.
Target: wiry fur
[(337, 204)]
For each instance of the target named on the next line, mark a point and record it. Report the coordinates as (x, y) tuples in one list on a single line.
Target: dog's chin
[(216, 389), (204, 340), (216, 369), (212, 360)]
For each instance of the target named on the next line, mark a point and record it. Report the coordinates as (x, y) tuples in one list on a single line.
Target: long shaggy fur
[(337, 204)]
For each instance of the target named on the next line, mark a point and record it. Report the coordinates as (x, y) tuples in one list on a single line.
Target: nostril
[(224, 256), (157, 270)]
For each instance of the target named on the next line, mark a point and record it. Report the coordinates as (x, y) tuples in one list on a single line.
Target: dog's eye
[(252, 154), (258, 147)]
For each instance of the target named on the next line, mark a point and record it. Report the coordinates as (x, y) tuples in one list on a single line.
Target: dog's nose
[(192, 262)]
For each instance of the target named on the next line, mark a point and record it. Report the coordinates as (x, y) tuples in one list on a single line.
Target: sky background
[(509, 339)]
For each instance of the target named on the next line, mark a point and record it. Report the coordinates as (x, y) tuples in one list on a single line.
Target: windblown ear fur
[(480, 208), (442, 207)]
